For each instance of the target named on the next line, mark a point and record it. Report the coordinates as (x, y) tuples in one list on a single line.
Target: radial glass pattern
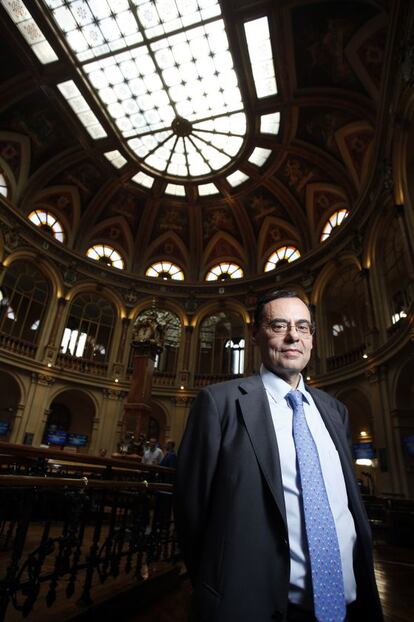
[(165, 270), (3, 185), (224, 271), (333, 221), (164, 72), (106, 254), (48, 222), (284, 253)]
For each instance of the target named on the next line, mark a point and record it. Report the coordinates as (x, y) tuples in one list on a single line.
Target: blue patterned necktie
[(324, 555)]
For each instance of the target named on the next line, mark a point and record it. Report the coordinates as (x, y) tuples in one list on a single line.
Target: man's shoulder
[(235, 385)]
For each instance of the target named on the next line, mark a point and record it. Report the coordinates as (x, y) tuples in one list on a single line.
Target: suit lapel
[(256, 415)]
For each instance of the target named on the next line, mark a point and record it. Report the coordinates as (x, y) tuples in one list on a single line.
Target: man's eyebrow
[(282, 319)]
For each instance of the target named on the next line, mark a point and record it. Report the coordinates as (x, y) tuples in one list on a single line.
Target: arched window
[(394, 263), (221, 344), (3, 185), (165, 270), (284, 254), (105, 254), (224, 271), (346, 321), (166, 361), (89, 328), (333, 221), (25, 293), (47, 222)]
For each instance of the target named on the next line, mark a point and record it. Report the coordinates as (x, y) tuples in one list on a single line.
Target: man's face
[(284, 354)]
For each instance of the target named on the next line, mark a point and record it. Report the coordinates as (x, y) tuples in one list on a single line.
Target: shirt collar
[(278, 387)]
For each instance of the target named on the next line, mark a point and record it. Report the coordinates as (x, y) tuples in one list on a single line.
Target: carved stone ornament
[(42, 379), (70, 275)]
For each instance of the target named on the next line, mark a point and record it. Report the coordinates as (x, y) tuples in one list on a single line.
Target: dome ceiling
[(225, 182)]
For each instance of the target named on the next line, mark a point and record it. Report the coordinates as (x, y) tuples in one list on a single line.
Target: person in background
[(152, 454), (170, 457)]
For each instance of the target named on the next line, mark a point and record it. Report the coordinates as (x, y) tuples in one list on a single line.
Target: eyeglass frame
[(290, 325)]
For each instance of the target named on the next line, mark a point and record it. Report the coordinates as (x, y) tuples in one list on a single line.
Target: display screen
[(57, 437), (409, 444), (363, 451), (4, 428), (77, 440)]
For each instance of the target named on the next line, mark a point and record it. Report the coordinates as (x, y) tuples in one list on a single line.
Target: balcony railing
[(74, 363), (202, 380), (19, 346), (336, 362)]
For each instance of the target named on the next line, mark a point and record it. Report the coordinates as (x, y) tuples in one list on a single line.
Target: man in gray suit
[(268, 510)]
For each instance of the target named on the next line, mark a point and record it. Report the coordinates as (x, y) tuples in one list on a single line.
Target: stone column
[(182, 404), (109, 433), (371, 336), (33, 418), (391, 477), (52, 349)]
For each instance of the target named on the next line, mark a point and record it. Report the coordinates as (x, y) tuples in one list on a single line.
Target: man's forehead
[(285, 308)]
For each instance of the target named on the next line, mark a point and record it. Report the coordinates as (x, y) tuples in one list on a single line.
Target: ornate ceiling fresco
[(221, 138)]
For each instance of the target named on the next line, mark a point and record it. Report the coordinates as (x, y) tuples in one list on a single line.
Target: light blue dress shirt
[(300, 591)]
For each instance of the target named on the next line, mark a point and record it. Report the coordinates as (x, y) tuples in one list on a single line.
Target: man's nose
[(292, 333)]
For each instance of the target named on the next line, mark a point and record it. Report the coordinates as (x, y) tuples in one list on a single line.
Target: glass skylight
[(143, 180), (3, 185), (224, 271), (165, 270), (105, 254), (48, 222), (116, 158), (207, 189), (175, 190), (284, 253), (79, 105), (165, 74), (30, 30), (269, 123), (237, 178), (259, 156), (261, 56), (333, 221)]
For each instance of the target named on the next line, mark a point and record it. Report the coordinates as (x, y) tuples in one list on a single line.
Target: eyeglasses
[(303, 328)]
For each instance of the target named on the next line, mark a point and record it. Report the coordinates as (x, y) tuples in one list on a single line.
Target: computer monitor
[(57, 437), (363, 451), (408, 442), (4, 428), (77, 440)]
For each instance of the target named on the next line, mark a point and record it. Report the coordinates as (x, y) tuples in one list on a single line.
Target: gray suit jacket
[(230, 510)]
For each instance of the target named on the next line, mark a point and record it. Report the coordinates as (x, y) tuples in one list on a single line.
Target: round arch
[(43, 265), (70, 419)]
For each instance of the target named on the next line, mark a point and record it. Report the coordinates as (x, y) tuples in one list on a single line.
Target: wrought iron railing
[(61, 538)]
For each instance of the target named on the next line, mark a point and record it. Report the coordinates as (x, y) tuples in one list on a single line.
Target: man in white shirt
[(242, 491), (153, 454)]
